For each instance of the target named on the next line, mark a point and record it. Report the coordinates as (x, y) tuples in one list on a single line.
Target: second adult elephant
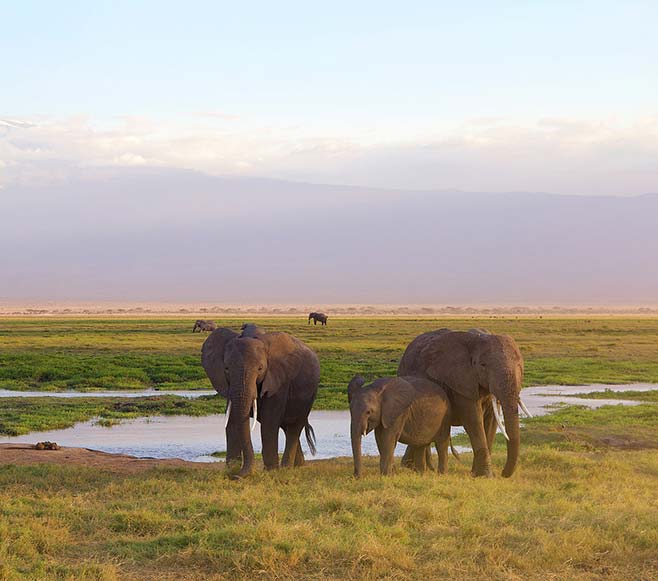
[(272, 376), (478, 370)]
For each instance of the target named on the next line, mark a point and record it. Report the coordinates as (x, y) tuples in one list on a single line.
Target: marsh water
[(195, 438)]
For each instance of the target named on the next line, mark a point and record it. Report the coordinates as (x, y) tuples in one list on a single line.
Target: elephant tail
[(310, 438), (455, 453)]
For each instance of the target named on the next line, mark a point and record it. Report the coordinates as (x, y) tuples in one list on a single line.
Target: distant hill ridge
[(185, 236)]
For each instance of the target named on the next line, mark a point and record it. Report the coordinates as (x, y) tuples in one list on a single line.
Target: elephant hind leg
[(299, 457), (293, 433), (489, 423), (408, 458), (442, 443)]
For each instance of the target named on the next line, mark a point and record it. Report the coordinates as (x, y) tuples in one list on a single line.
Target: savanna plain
[(583, 503)]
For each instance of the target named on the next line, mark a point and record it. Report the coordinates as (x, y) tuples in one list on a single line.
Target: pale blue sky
[(326, 92)]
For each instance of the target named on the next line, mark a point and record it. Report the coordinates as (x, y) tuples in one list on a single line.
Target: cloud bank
[(604, 157)]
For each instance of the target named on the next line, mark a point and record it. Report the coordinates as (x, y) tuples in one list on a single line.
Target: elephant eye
[(260, 368)]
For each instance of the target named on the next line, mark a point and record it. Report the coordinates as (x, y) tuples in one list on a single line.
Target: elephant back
[(443, 357)]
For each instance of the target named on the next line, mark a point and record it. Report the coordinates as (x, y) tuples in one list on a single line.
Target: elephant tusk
[(255, 412), (525, 409), (228, 412), (499, 419)]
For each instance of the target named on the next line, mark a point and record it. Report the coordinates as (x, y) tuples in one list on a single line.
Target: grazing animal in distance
[(317, 317), (202, 325)]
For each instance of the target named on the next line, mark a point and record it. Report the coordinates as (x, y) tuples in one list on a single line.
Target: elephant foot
[(482, 473), (482, 465)]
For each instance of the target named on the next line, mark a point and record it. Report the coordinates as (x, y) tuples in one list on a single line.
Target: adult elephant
[(272, 376), (202, 325), (321, 317), (479, 371)]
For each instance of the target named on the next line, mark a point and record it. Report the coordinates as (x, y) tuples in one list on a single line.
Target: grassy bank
[(21, 415), (574, 510)]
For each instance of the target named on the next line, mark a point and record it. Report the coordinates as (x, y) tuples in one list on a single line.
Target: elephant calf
[(411, 410)]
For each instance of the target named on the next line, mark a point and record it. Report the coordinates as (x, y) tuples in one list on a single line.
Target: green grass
[(572, 511), (64, 353), (581, 506)]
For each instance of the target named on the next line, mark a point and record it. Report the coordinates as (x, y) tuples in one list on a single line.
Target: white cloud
[(558, 155)]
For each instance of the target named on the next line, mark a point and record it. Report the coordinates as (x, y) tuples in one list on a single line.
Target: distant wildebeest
[(202, 325), (317, 317)]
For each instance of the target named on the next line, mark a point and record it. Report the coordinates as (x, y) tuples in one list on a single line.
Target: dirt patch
[(598, 438), (26, 454)]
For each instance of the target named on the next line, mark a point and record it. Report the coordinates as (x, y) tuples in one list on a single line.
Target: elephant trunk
[(247, 450), (242, 398), (511, 414), (505, 390), (357, 434)]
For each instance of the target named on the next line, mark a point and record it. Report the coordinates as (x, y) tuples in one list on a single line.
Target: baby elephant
[(411, 410)]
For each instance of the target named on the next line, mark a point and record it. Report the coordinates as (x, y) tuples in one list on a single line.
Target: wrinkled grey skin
[(278, 370), (321, 317), (201, 325), (411, 410), (473, 366)]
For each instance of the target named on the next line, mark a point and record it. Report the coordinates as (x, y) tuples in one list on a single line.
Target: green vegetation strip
[(650, 395), (21, 415), (46, 354), (66, 353)]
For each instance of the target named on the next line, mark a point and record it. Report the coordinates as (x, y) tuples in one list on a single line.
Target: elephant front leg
[(474, 425), (233, 450), (386, 440), (269, 433)]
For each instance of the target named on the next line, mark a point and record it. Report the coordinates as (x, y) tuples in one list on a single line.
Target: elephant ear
[(452, 358), (354, 385), (284, 360), (397, 396), (212, 358)]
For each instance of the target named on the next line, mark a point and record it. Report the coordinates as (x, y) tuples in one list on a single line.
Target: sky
[(499, 96)]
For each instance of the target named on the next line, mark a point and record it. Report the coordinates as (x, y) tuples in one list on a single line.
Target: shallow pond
[(194, 438)]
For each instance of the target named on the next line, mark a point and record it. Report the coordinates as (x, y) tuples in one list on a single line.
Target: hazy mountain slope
[(180, 235)]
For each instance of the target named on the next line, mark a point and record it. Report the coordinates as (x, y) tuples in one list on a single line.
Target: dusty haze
[(183, 236)]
